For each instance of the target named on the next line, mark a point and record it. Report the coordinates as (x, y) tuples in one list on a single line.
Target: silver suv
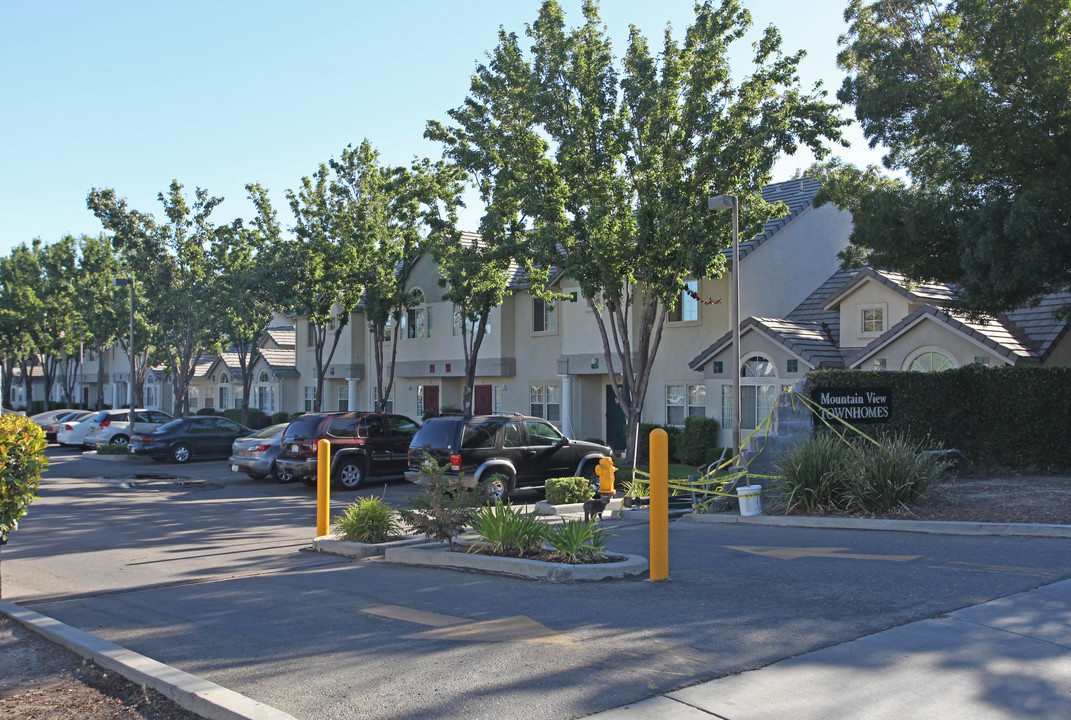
[(109, 427)]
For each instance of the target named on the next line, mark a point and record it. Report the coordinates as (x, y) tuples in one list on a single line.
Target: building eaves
[(810, 341), (798, 195), (921, 293)]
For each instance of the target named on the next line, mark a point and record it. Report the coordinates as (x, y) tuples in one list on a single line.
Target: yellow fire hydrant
[(606, 471)]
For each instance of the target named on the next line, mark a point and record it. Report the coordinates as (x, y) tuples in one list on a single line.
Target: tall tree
[(614, 167), (244, 261), (21, 314), (322, 266), (384, 214), (971, 99), (101, 307)]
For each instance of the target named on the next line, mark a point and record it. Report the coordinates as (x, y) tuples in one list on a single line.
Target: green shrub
[(645, 441), (368, 520), (444, 509), (700, 436), (22, 458), (280, 417), (254, 417), (968, 409), (577, 540), (508, 531), (894, 473), (813, 473), (112, 449), (565, 490), (830, 472)]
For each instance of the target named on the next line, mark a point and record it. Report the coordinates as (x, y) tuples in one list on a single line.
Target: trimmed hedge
[(22, 458), (1009, 416), (699, 438)]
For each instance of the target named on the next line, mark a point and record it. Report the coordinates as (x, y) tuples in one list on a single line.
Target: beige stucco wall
[(869, 295), (929, 335), (1061, 354)]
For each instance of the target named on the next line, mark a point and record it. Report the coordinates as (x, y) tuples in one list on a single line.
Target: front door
[(481, 400), (616, 427)]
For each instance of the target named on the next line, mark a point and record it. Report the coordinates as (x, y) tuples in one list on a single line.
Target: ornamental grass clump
[(890, 474), (368, 520), (578, 541), (829, 472), (505, 530), (813, 473)]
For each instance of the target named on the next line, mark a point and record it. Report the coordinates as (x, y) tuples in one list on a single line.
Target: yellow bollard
[(323, 486), (659, 504)]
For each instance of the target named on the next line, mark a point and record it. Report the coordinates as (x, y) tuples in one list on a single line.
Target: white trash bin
[(750, 497)]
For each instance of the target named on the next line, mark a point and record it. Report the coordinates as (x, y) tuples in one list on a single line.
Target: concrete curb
[(934, 527), (542, 507), (92, 455), (205, 698), (332, 545), (436, 555)]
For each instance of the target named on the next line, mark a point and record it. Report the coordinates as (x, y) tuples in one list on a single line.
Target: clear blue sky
[(131, 94)]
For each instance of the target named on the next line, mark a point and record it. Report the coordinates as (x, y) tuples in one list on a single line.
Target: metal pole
[(736, 334), (659, 518), (133, 374)]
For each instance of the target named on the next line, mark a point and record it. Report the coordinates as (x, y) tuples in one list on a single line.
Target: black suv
[(362, 444), (523, 450)]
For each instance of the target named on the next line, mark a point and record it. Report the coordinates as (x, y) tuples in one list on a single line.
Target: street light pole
[(81, 336), (130, 386), (731, 202)]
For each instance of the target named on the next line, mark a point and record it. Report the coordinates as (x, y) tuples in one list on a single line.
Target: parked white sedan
[(73, 432)]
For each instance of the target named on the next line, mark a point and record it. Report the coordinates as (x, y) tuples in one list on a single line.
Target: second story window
[(687, 309), (417, 320), (873, 320), (545, 316)]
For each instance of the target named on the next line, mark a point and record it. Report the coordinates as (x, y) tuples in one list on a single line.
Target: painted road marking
[(512, 629), (397, 612), (999, 569), (792, 553)]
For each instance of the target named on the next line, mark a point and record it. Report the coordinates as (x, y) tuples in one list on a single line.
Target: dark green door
[(616, 430)]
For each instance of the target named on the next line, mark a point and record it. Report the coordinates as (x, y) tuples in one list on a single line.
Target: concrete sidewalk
[(1005, 659)]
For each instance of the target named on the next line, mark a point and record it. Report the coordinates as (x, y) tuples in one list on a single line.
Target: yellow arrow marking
[(512, 629), (792, 553)]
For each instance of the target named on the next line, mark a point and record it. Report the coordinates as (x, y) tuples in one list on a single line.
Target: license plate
[(234, 468), (294, 448)]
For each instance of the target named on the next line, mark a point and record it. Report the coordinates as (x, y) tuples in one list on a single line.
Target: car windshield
[(303, 428)]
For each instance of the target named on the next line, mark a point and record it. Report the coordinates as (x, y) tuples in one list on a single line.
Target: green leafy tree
[(22, 311), (323, 268), (100, 307), (614, 167), (970, 98), (245, 263)]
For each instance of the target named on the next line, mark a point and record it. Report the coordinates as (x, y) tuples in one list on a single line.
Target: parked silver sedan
[(255, 455)]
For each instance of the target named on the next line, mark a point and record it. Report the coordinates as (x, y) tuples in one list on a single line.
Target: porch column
[(351, 393), (567, 405)]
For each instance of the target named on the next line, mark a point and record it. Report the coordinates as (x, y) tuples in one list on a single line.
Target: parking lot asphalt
[(754, 621)]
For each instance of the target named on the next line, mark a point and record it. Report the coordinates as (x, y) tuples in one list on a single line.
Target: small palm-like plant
[(508, 531), (578, 541), (368, 520)]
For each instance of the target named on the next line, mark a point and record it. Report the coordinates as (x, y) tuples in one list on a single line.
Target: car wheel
[(181, 453), (499, 486), (119, 440), (281, 474), (350, 474)]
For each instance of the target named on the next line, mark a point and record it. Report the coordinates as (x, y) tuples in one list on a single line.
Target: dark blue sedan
[(187, 438)]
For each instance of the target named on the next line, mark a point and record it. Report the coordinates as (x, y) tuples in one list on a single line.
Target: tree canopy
[(972, 98)]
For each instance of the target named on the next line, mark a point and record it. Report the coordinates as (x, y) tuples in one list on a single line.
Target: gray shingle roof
[(809, 340), (798, 195), (1040, 323)]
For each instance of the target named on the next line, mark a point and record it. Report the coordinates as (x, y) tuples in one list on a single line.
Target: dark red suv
[(363, 444)]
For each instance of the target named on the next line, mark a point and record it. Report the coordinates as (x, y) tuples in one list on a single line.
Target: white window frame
[(545, 401), (309, 398), (686, 400), (544, 317), (343, 398), (687, 309), (883, 309)]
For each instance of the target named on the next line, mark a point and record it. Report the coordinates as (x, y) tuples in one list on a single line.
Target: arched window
[(417, 320), (931, 362), (263, 376), (758, 366), (223, 379)]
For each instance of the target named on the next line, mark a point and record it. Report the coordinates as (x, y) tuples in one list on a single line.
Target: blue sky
[(130, 95)]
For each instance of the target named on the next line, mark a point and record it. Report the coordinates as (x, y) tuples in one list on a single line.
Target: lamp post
[(119, 282), (731, 202)]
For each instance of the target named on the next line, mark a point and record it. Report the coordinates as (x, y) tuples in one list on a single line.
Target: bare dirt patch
[(40, 680)]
